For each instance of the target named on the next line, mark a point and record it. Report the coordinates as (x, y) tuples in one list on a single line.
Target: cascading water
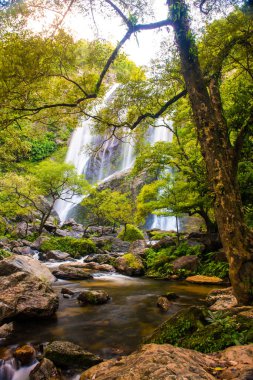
[(161, 222), (79, 155), (115, 156)]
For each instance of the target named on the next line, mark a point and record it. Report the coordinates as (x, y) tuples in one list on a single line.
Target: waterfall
[(161, 222), (116, 155)]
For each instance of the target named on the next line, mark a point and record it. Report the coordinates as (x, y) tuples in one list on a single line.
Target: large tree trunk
[(216, 149)]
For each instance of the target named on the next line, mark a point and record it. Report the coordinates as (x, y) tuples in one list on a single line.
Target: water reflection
[(115, 328)]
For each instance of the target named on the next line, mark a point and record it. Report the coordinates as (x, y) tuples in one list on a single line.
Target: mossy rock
[(180, 325), (75, 247), (131, 233), (4, 254), (225, 332), (69, 355)]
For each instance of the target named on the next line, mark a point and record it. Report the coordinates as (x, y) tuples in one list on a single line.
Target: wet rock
[(119, 245), (99, 267), (25, 354), (67, 291), (165, 242), (155, 362), (70, 355), (179, 326), (17, 263), (56, 255), (68, 272), (171, 296), (163, 303), (138, 247), (101, 258), (93, 297), (221, 299), (186, 262), (198, 279), (45, 370), (239, 361), (24, 295), (6, 330), (23, 250), (130, 265)]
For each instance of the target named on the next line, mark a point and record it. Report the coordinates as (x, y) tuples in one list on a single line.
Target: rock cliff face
[(164, 362)]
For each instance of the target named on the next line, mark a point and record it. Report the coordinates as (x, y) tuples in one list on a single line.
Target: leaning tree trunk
[(218, 154)]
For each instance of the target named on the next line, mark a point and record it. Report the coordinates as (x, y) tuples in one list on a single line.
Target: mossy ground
[(75, 247)]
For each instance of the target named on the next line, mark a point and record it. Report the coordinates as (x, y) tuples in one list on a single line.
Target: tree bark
[(236, 238)]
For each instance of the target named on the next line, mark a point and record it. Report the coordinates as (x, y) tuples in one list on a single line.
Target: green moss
[(179, 325), (75, 247), (4, 254), (133, 261), (225, 332), (131, 233), (155, 235)]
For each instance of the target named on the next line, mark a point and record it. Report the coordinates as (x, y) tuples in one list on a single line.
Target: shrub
[(75, 247), (131, 233), (42, 149), (214, 268)]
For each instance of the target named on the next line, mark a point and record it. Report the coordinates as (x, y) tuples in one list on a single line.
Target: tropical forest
[(126, 189)]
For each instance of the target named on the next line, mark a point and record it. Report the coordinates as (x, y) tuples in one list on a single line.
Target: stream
[(112, 329)]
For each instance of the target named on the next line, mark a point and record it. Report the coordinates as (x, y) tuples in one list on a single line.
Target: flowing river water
[(112, 329)]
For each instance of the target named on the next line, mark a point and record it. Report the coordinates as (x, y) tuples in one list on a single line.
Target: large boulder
[(155, 362), (45, 370), (25, 250), (55, 255), (199, 279), (164, 362), (93, 297), (70, 355), (138, 247), (165, 242), (69, 272), (221, 299), (179, 326), (119, 245), (24, 295), (189, 263), (130, 265), (25, 264)]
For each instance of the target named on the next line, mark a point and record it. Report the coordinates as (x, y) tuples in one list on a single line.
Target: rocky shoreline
[(27, 291)]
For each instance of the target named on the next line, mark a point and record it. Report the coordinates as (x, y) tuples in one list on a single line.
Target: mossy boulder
[(130, 233), (129, 264), (179, 326), (93, 297), (224, 331), (75, 247), (69, 355)]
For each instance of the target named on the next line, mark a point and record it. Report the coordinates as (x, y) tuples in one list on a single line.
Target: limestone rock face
[(45, 370), (17, 263), (155, 362), (24, 295), (67, 354)]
